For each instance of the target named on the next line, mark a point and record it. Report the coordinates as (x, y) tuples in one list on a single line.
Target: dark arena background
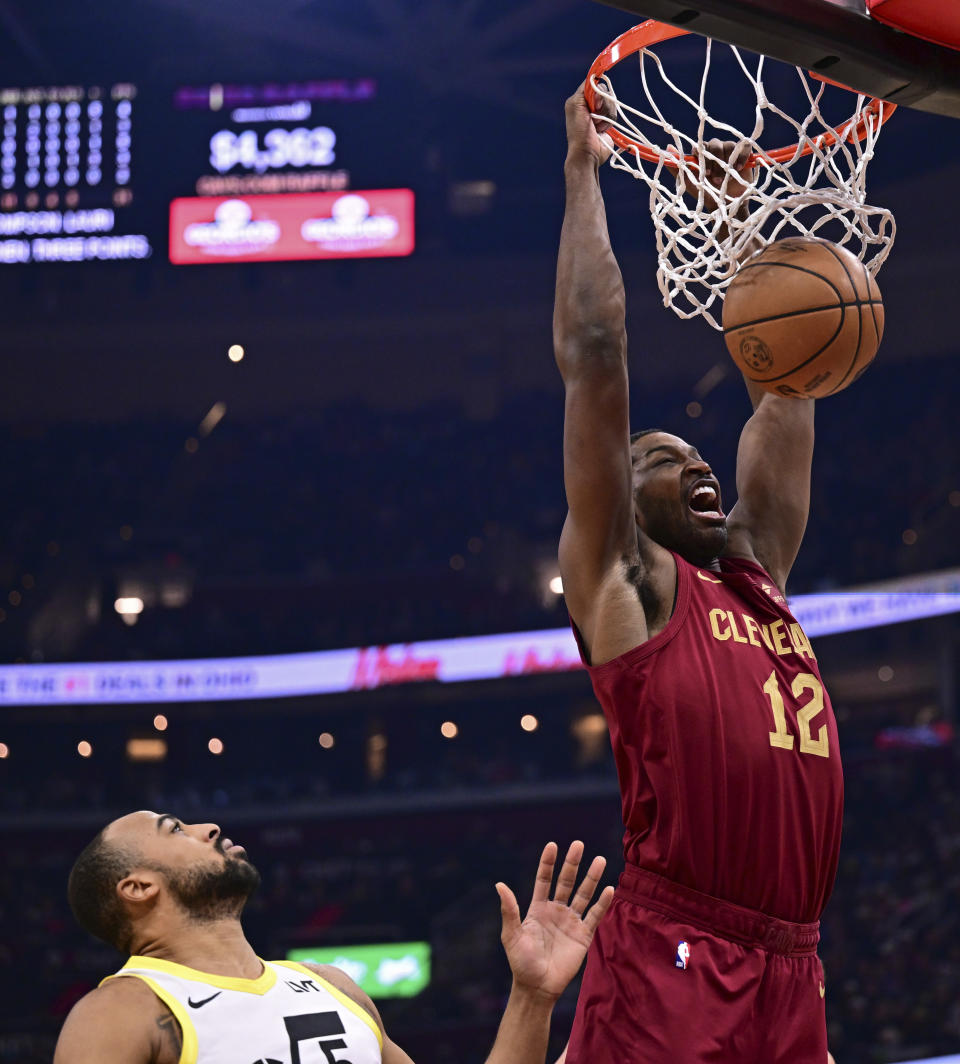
[(282, 487)]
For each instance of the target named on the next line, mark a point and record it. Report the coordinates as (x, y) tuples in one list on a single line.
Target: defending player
[(724, 738), (194, 991)]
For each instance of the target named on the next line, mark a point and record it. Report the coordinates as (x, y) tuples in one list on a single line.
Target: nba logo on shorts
[(683, 955)]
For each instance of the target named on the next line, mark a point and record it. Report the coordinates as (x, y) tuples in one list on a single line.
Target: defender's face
[(208, 876), (164, 840), (677, 499)]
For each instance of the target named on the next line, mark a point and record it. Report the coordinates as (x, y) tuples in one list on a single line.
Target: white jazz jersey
[(289, 1015)]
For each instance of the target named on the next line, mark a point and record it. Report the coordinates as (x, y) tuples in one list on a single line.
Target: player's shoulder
[(127, 992), (741, 558), (118, 1021), (339, 980)]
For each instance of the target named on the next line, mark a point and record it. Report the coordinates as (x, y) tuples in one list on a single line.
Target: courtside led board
[(396, 969), (447, 661)]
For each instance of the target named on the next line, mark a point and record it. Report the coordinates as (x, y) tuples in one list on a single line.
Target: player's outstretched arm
[(774, 460), (776, 446), (590, 345), (545, 952)]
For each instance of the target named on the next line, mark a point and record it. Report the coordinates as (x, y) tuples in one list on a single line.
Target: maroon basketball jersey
[(726, 747)]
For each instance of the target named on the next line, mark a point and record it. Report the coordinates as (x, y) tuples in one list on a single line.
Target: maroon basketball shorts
[(677, 977)]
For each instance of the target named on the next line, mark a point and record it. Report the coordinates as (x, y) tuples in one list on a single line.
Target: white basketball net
[(699, 245)]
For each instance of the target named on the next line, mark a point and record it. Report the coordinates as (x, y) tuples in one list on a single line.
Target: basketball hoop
[(813, 187)]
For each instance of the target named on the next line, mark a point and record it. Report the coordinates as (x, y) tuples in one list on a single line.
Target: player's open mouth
[(233, 849), (704, 501)]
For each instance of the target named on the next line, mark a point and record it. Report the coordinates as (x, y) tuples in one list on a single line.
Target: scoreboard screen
[(283, 171), (66, 174)]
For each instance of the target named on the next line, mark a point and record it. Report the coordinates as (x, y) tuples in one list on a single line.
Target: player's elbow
[(588, 350)]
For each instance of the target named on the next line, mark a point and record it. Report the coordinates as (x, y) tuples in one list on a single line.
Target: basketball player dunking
[(194, 992), (723, 735)]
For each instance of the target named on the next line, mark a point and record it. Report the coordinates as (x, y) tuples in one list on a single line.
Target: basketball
[(803, 318)]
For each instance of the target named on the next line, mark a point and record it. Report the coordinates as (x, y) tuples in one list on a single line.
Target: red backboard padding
[(933, 20)]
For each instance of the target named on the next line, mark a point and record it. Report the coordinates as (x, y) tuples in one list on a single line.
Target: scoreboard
[(59, 144), (276, 175), (219, 173), (66, 174)]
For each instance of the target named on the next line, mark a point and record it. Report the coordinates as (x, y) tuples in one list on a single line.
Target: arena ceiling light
[(140, 748), (129, 606), (213, 418)]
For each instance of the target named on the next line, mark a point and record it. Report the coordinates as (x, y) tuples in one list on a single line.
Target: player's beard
[(699, 545), (215, 892)]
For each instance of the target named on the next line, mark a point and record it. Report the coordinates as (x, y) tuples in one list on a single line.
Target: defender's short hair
[(92, 891)]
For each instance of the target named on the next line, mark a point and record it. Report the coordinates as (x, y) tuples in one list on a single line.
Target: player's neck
[(217, 947)]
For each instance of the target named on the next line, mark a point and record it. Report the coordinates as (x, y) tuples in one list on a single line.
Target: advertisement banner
[(935, 1060), (317, 225), (289, 675), (440, 661)]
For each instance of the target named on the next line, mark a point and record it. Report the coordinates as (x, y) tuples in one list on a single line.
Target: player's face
[(207, 874), (677, 498)]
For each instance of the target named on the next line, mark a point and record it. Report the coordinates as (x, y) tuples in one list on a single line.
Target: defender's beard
[(214, 893)]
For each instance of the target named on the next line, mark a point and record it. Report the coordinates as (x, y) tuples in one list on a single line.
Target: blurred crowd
[(378, 745), (276, 754), (891, 934), (359, 527), (891, 940)]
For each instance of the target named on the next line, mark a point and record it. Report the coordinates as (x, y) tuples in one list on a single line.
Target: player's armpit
[(121, 1022), (773, 485)]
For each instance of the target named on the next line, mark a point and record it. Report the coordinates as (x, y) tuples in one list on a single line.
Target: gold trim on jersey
[(190, 1047), (345, 999), (264, 982)]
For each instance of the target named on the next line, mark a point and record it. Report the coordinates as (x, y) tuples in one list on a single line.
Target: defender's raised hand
[(546, 950)]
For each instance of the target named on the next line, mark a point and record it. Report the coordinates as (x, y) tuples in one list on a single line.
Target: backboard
[(839, 39)]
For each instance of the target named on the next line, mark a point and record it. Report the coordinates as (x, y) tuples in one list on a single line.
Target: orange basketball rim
[(652, 32)]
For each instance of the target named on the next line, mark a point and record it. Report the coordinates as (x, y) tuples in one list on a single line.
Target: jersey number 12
[(781, 738)]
